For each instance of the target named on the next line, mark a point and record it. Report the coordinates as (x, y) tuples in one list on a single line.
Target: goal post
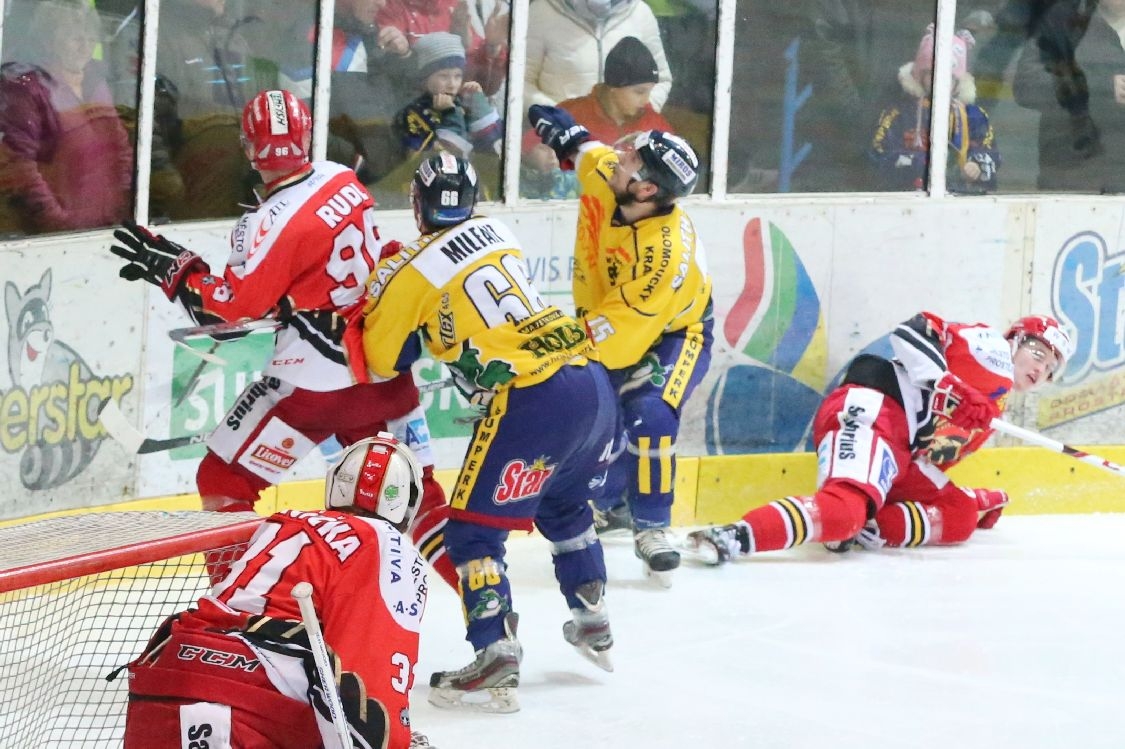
[(80, 596)]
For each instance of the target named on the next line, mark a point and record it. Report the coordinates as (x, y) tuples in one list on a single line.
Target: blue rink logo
[(1087, 299)]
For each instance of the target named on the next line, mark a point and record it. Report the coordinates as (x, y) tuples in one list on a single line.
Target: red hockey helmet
[(277, 128), (1047, 330), (380, 476)]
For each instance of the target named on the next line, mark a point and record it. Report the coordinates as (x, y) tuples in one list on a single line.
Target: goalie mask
[(380, 476), (1042, 330), (277, 131), (444, 191)]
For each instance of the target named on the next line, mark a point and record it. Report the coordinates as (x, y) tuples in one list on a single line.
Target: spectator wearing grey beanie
[(451, 113)]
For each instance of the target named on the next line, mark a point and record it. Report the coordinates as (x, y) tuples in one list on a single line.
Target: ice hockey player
[(642, 290), (236, 669), (301, 256), (888, 433), (544, 436)]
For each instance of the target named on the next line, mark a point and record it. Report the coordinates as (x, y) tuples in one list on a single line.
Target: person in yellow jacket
[(642, 289), (545, 435)]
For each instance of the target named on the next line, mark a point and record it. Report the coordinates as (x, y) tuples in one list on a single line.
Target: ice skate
[(589, 631), (617, 518), (488, 684), (660, 559), (867, 538), (419, 741), (720, 543)]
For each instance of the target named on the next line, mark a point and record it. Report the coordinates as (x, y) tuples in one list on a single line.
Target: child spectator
[(451, 113), (901, 146), (612, 110)]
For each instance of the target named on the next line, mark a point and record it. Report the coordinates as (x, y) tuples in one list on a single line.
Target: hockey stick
[(134, 441), (302, 593), (131, 438), (1035, 438), (179, 336)]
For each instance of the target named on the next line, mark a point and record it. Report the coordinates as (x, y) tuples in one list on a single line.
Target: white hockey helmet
[(380, 476)]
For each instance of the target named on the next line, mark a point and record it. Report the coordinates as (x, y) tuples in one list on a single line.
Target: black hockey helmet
[(669, 161), (444, 190)]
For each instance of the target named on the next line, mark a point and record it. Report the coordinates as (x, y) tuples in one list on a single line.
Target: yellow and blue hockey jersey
[(467, 289), (633, 282)]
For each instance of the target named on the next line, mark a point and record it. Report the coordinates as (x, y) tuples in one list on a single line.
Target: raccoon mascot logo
[(37, 360)]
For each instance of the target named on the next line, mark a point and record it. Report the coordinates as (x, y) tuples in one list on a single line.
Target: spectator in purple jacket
[(65, 159)]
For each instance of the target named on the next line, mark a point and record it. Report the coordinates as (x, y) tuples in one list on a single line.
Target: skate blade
[(663, 578), (490, 700), (599, 658), (705, 553)]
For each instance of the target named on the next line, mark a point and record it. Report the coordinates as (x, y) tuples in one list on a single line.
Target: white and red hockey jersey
[(926, 347), (302, 256), (370, 591)]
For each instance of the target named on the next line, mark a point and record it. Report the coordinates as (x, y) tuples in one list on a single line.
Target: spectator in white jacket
[(568, 40)]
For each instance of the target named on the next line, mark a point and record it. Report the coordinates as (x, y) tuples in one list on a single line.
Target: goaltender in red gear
[(236, 670), (888, 433), (302, 257)]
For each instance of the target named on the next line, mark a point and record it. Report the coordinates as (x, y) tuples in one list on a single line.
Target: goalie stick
[(117, 426), (302, 593), (1034, 438)]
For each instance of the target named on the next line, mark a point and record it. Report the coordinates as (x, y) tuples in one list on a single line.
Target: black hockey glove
[(557, 128), (154, 259)]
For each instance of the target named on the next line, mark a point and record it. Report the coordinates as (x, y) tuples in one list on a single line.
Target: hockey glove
[(154, 259), (556, 128), (991, 502), (987, 166), (963, 404)]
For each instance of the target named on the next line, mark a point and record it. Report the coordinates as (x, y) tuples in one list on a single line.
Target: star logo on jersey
[(520, 480)]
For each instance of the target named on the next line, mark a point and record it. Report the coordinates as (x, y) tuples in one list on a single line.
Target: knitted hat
[(629, 63), (438, 51), (924, 59)]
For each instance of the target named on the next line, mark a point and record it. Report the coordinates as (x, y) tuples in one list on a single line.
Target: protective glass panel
[(814, 83), (66, 159), (653, 68), (1052, 77), (212, 56), (411, 78)]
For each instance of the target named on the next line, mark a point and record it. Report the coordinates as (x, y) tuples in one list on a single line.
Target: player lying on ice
[(237, 670), (886, 436)]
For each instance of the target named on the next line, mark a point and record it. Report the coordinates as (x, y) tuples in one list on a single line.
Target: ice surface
[(1014, 639)]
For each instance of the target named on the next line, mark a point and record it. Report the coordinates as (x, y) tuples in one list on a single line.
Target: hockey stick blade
[(1034, 438), (179, 335), (129, 437), (206, 356)]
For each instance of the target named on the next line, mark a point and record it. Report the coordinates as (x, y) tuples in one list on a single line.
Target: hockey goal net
[(79, 597)]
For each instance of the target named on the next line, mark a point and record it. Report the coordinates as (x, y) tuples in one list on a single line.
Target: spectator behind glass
[(1073, 73), (452, 113), (482, 26), (901, 146), (567, 41), (65, 159), (204, 61), (372, 77), (610, 111)]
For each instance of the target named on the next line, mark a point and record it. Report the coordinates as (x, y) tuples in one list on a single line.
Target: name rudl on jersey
[(520, 480)]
